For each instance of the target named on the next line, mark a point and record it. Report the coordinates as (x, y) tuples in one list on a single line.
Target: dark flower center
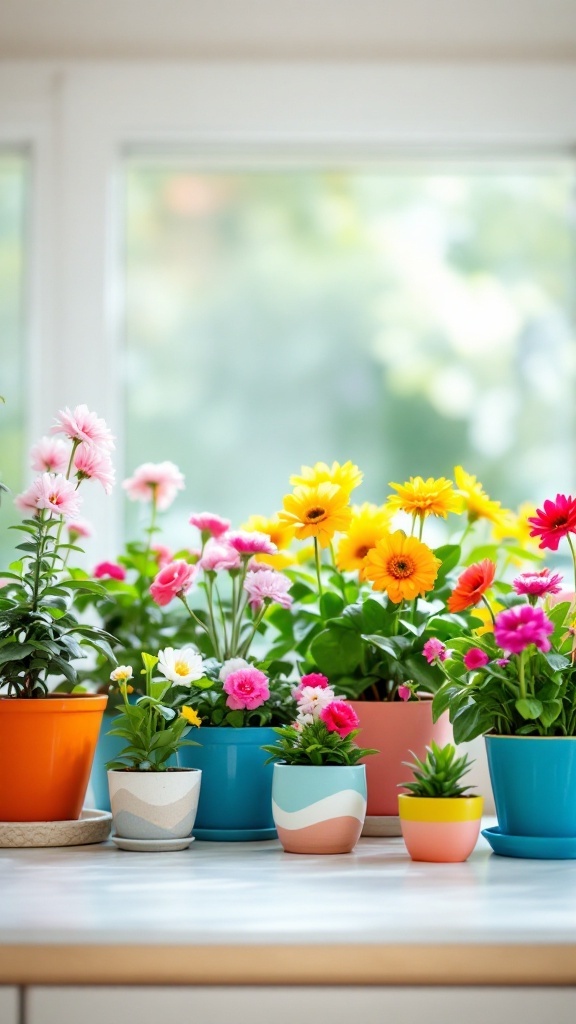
[(315, 513)]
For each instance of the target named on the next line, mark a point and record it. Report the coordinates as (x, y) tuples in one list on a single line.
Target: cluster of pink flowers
[(317, 701)]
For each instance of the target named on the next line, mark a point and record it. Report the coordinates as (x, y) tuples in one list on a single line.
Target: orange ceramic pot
[(440, 829), (46, 751), (396, 729)]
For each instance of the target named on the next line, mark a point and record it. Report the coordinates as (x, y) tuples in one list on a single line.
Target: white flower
[(121, 674), (303, 720), (181, 666), (232, 665), (313, 698)]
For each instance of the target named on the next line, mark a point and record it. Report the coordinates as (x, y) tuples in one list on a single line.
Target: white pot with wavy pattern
[(319, 809), (154, 805)]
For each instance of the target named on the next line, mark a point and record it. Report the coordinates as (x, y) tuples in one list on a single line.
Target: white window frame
[(79, 119)]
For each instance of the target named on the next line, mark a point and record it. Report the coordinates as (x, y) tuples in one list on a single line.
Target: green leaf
[(469, 722), (331, 605), (15, 652), (529, 707), (336, 651)]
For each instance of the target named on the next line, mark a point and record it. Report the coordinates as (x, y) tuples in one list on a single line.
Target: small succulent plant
[(439, 774)]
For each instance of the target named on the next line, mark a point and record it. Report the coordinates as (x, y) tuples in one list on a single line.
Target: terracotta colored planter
[(319, 809), (154, 805), (46, 751), (443, 830), (395, 728)]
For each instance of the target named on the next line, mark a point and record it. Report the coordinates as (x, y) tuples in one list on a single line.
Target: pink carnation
[(538, 583), (518, 627), (174, 579), (155, 481), (94, 464), (254, 543), (246, 688), (475, 658), (268, 586), (50, 455), (404, 692), (218, 556), (208, 522), (109, 570), (54, 493), (339, 717), (434, 650), (82, 425), (79, 528)]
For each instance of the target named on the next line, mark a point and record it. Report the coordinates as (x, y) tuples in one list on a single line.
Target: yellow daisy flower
[(191, 716), (476, 502), (281, 534), (419, 497), (402, 566), (347, 476), (319, 511), (516, 526), (369, 522), (482, 612)]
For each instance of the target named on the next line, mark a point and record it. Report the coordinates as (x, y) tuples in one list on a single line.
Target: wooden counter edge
[(405, 964)]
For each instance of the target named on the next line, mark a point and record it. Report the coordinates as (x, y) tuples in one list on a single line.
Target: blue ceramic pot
[(236, 796), (534, 783)]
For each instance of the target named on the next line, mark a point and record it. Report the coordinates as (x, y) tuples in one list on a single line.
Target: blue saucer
[(531, 847), (234, 835)]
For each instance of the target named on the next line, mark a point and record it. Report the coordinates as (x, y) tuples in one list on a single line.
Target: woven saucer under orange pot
[(441, 829), (46, 751)]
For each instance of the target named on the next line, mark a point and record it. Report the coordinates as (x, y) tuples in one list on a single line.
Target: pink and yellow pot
[(441, 829)]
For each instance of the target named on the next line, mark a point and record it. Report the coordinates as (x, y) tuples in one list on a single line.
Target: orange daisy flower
[(402, 566), (471, 585)]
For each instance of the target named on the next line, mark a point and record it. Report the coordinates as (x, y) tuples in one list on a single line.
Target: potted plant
[(517, 686), (440, 820), (319, 788), (238, 698), (153, 803), (47, 739)]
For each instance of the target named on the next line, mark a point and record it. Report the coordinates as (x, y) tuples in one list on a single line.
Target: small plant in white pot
[(440, 819), (318, 788), (153, 804)]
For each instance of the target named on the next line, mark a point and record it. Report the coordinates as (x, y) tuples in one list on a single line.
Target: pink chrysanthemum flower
[(536, 584), (81, 425), (218, 556), (94, 464), (208, 522), (434, 650), (79, 528), (109, 570), (475, 658), (246, 688), (53, 493), (155, 481), (173, 580), (339, 717), (518, 627), (312, 699), (554, 521), (268, 586), (50, 455), (254, 543)]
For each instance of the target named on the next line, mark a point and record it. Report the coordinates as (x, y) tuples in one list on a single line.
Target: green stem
[(151, 530), (42, 535), (317, 561), (194, 617), (243, 652), (492, 616), (215, 641), (521, 674), (573, 556)]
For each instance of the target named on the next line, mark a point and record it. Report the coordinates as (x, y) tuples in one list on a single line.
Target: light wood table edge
[(405, 964)]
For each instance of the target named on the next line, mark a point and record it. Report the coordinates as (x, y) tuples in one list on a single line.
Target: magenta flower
[(268, 586), (538, 583), (218, 556), (172, 581), (109, 570), (475, 658), (554, 521), (246, 688), (404, 692), (434, 650), (50, 455), (155, 481), (254, 543), (208, 522), (79, 528), (81, 425), (518, 627), (53, 493), (315, 679), (94, 464), (339, 717)]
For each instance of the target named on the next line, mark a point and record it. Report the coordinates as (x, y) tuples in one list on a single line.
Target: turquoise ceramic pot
[(319, 809), (534, 784), (236, 795)]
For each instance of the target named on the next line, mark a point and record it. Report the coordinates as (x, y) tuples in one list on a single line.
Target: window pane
[(409, 322), (13, 197)]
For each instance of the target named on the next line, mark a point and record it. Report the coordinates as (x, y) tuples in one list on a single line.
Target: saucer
[(531, 847), (235, 835), (151, 845), (92, 826)]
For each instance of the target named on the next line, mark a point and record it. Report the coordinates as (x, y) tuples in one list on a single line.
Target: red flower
[(472, 583), (554, 521), (339, 717), (109, 569)]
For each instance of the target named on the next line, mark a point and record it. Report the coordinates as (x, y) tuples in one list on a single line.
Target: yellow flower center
[(400, 567), (181, 668)]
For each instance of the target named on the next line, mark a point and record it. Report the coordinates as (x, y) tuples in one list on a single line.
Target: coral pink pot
[(443, 830), (397, 729)]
